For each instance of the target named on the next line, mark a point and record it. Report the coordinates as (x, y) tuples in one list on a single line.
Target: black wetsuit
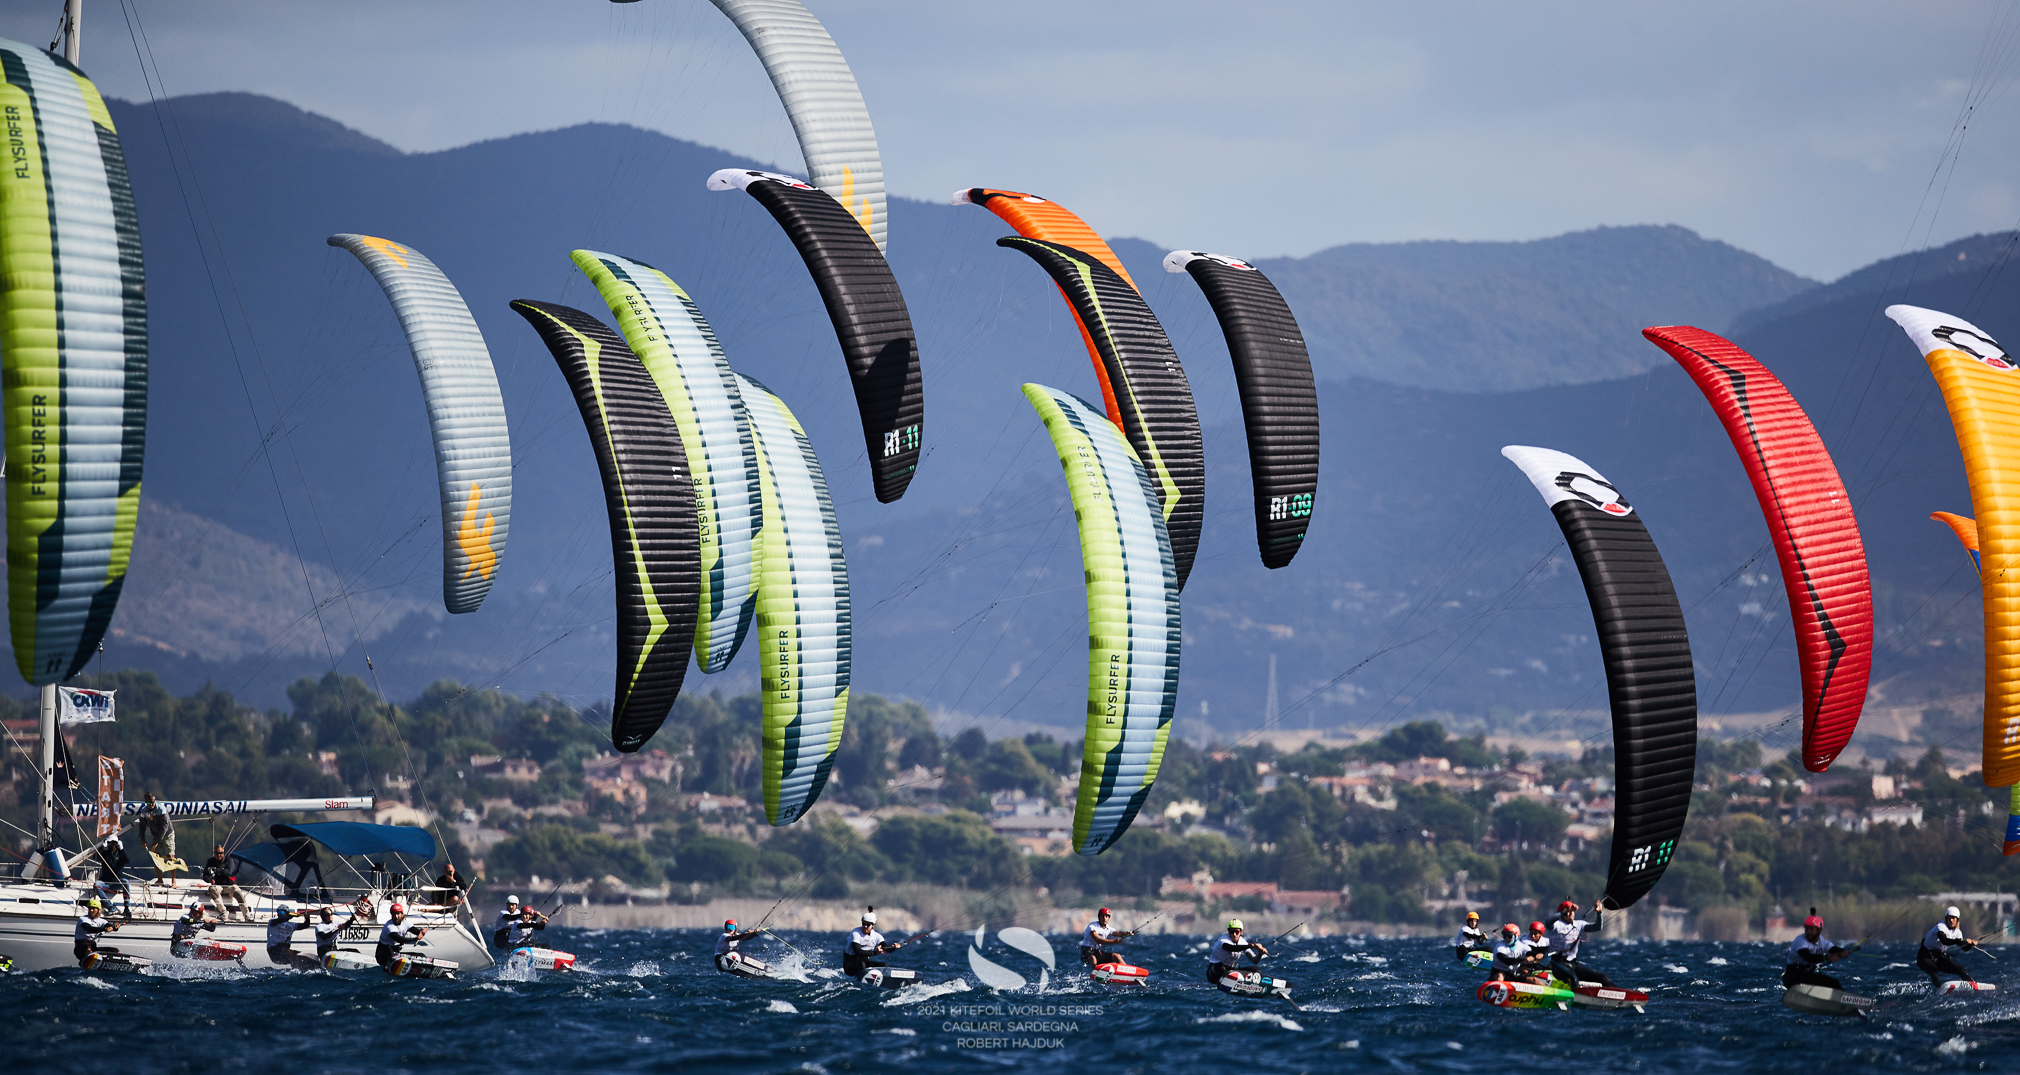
[(1805, 956), (1936, 960)]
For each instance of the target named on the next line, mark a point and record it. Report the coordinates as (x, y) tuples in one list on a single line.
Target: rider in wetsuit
[(863, 945), (329, 931), (1810, 951), (726, 945), (1512, 957), (395, 933), (1566, 935), (1096, 938), (1471, 938), (182, 935), (281, 931), (90, 925), (1228, 951), (1934, 954)]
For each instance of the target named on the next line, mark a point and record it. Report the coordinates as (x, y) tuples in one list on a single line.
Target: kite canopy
[(73, 348), (1279, 397), (1981, 388), (803, 612), (668, 334), (649, 495), (1809, 517), (1133, 631), (1150, 397), (1649, 681), (868, 313), (821, 97), (1966, 530), (466, 413)]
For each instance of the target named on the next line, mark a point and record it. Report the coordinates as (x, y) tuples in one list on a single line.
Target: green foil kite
[(1132, 615), (73, 343), (666, 330), (803, 612)]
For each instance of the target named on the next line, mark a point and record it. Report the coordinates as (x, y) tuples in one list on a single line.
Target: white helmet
[(1952, 912), (869, 918), (511, 901)]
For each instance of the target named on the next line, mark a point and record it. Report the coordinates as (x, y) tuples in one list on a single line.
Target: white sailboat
[(41, 901)]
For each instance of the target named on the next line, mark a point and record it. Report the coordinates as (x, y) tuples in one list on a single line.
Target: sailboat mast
[(49, 734), (73, 20)]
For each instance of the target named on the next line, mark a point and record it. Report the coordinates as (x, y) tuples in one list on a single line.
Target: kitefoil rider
[(1471, 938), (182, 935), (329, 931), (281, 931), (1934, 954), (726, 945), (1566, 935), (90, 925), (1810, 951), (1097, 936), (1513, 956), (1227, 954), (395, 933), (864, 943)]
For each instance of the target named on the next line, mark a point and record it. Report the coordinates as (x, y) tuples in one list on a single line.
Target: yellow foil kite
[(1981, 387)]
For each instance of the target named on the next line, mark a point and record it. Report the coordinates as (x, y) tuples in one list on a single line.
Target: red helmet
[(399, 909), (1536, 927), (1568, 905), (1813, 922), (1104, 910), (1511, 928)]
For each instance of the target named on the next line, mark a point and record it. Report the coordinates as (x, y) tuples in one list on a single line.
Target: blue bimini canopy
[(359, 838)]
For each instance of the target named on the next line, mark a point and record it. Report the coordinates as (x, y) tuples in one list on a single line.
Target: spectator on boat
[(182, 935), (329, 931), (726, 945), (157, 833), (863, 945), (1567, 934), (1097, 936), (1511, 956), (281, 931), (1810, 951), (90, 926), (219, 874), (1934, 954), (1228, 952), (1470, 938), (395, 933), (112, 859), (453, 887)]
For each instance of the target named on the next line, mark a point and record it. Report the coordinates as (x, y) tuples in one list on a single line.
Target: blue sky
[(1811, 133)]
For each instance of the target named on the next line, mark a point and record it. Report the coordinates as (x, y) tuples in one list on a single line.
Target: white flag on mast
[(79, 705)]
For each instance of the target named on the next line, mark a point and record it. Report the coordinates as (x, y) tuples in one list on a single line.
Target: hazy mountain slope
[(968, 592)]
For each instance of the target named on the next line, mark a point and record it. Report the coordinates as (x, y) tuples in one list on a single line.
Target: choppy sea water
[(649, 1000)]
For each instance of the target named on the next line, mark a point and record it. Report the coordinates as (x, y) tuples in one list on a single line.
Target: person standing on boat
[(1511, 956), (1228, 951), (454, 887), (112, 859), (329, 931), (1095, 939), (281, 931), (1934, 954), (1471, 938), (1567, 934), (182, 935), (90, 926), (157, 833), (395, 933), (1810, 951), (726, 945), (223, 882), (864, 944)]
